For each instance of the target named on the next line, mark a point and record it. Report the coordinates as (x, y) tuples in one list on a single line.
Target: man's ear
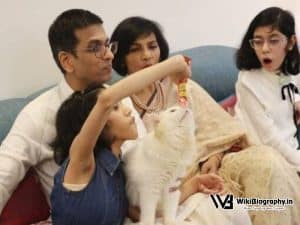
[(66, 61), (292, 42)]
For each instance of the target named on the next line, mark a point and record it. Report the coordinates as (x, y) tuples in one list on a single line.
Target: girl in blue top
[(91, 126)]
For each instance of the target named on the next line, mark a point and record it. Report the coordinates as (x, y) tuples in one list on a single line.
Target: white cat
[(153, 166)]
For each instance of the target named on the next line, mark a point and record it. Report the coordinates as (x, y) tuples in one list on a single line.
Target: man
[(81, 50)]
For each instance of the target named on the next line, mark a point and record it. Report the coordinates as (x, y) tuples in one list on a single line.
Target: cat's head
[(175, 124)]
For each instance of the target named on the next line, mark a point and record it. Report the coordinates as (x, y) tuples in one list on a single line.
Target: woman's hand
[(205, 183), (208, 183), (212, 164)]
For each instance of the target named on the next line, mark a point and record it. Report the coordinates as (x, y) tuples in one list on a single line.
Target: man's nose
[(108, 54)]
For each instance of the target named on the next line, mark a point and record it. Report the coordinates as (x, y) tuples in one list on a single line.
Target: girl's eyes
[(274, 41)]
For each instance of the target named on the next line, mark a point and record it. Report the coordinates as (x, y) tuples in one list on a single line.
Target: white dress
[(262, 110)]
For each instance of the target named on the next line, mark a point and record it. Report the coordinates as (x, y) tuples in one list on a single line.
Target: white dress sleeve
[(255, 117)]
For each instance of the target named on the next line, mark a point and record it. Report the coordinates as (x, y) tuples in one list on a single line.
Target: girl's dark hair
[(69, 120), (279, 19), (128, 31)]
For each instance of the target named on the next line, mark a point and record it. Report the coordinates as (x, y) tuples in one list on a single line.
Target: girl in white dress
[(267, 94)]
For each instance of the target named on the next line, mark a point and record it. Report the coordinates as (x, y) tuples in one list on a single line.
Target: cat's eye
[(173, 110)]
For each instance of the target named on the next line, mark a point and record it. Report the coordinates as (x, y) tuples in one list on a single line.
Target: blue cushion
[(9, 109), (213, 67)]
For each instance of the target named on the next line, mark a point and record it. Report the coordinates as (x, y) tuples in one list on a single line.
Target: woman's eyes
[(133, 49), (136, 49), (153, 46)]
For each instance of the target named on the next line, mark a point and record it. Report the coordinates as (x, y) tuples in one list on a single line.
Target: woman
[(137, 35), (254, 172)]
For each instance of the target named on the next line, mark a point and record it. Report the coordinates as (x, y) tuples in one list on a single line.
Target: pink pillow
[(228, 103), (28, 203)]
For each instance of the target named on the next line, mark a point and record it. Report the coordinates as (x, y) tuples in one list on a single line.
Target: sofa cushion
[(9, 109), (229, 102), (28, 203), (213, 67)]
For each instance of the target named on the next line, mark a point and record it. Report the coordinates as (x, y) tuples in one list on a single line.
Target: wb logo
[(227, 203)]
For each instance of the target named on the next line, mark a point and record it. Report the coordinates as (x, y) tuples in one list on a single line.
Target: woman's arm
[(82, 163), (212, 164), (205, 183)]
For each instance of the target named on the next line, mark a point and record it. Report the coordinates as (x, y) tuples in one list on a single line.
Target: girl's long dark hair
[(69, 120)]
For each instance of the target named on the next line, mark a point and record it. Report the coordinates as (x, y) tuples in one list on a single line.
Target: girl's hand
[(208, 183), (184, 68)]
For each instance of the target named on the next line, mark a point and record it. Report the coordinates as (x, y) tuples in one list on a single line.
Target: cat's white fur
[(155, 163)]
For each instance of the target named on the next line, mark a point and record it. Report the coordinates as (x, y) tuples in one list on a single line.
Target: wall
[(26, 61)]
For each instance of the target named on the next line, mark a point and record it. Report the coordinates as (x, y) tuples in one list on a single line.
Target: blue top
[(102, 202)]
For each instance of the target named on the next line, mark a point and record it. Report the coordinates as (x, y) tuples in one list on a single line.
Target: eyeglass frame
[(271, 45), (100, 50)]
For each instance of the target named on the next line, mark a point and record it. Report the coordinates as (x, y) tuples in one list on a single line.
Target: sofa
[(213, 68)]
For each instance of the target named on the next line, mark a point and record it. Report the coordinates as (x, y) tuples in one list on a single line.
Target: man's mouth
[(107, 68)]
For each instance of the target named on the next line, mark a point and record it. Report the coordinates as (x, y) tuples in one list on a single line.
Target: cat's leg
[(170, 205), (148, 204)]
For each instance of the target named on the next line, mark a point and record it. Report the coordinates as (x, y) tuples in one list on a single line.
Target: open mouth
[(267, 61)]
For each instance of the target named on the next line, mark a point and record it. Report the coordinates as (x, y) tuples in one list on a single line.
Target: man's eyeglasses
[(258, 43), (100, 50)]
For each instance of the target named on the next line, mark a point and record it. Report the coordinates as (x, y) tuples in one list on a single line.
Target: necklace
[(158, 103)]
